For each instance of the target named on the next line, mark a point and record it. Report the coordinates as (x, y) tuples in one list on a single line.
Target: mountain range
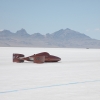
[(63, 38)]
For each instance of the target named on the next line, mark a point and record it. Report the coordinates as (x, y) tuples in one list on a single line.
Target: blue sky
[(48, 16)]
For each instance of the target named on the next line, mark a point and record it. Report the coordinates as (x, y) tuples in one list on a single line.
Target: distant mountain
[(66, 38), (5, 33)]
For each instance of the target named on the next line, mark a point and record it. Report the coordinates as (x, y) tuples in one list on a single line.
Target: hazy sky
[(48, 16)]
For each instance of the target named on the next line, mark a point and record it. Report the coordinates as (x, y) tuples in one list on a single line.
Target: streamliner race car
[(36, 58)]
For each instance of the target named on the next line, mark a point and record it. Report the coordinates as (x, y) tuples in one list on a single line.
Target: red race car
[(36, 58)]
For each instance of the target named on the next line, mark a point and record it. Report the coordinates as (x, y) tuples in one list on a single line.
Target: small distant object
[(87, 48), (36, 58)]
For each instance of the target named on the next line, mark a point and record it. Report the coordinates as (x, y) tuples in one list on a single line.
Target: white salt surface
[(75, 77)]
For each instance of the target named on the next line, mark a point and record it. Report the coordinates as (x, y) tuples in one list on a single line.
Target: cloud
[(87, 30), (1, 30), (97, 29), (93, 30)]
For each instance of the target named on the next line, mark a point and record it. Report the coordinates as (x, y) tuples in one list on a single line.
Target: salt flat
[(75, 77)]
